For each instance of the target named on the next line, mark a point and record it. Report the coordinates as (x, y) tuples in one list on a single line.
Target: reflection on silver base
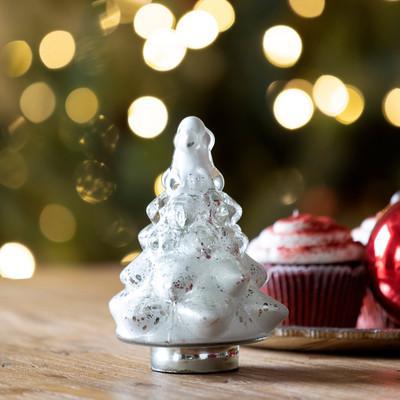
[(194, 360)]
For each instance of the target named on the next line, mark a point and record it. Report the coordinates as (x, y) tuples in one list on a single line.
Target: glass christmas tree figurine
[(192, 294)]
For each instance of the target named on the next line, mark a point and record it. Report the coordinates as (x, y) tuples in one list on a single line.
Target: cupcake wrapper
[(318, 295)]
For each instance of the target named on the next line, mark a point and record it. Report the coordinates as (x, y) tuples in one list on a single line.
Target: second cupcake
[(315, 268)]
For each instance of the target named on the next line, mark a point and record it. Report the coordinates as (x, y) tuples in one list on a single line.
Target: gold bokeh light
[(128, 258), (13, 169), (57, 49), (16, 261), (81, 105), (158, 185), (288, 199), (330, 95), (164, 50), (37, 102), (93, 182), (282, 46), (221, 10), (198, 29), (147, 117), (391, 107), (151, 18), (57, 223), (16, 58), (354, 108), (293, 108), (307, 8)]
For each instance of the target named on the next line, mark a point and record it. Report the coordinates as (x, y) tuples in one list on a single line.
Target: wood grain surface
[(57, 342)]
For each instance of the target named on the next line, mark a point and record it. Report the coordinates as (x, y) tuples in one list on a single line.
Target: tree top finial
[(192, 168)]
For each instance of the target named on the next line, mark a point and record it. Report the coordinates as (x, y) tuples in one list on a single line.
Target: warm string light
[(282, 46), (81, 105), (354, 108), (330, 95), (164, 50), (307, 8), (151, 18), (165, 47), (391, 107), (293, 108), (147, 117), (16, 58), (158, 185), (57, 49), (16, 261), (221, 10), (37, 102), (93, 182), (128, 258), (197, 29), (57, 223)]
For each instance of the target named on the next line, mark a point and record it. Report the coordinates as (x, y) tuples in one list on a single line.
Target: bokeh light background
[(303, 97)]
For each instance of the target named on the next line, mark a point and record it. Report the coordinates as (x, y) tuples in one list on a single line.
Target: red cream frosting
[(305, 239)]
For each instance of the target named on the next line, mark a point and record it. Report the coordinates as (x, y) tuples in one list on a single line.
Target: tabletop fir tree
[(193, 282)]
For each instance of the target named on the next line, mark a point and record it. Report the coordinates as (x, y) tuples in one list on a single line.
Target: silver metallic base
[(194, 360)]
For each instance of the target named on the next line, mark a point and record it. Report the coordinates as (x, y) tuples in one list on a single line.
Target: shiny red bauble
[(383, 256)]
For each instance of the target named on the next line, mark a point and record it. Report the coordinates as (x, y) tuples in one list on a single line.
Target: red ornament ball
[(383, 256)]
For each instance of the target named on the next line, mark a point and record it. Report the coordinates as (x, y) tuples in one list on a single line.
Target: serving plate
[(300, 338)]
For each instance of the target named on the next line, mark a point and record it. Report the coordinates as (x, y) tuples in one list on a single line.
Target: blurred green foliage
[(325, 167)]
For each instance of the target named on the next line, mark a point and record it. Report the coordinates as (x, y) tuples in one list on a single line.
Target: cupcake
[(373, 315), (316, 269)]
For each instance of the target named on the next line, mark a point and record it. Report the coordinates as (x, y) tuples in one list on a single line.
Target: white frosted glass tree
[(193, 283)]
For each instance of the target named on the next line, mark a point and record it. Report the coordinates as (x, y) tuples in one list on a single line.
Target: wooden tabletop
[(57, 342)]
